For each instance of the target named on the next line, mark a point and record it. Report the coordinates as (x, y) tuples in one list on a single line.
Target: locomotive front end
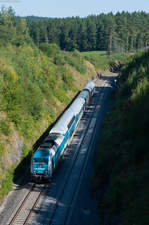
[(41, 165)]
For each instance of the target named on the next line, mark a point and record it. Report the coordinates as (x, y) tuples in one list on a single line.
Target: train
[(47, 156)]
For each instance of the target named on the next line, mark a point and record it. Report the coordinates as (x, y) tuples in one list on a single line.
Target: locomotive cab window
[(41, 160)]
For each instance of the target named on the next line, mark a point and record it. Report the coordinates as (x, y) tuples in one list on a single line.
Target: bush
[(7, 182), (25, 151), (50, 49), (61, 95), (2, 149), (5, 127), (75, 60)]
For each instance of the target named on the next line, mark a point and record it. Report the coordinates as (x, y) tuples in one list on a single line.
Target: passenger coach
[(47, 156)]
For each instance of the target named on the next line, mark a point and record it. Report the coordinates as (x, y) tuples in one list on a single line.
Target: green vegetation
[(122, 165), (102, 61), (36, 85), (39, 77), (93, 53), (99, 59), (120, 32), (4, 127), (32, 80), (76, 60), (7, 182), (2, 150)]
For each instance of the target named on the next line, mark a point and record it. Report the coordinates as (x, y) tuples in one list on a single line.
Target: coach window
[(71, 122)]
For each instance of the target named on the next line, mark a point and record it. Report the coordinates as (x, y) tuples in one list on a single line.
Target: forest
[(120, 32)]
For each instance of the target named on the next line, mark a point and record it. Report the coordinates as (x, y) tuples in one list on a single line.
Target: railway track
[(60, 207), (28, 204)]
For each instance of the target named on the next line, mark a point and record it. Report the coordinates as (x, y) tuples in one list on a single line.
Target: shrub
[(75, 60), (5, 127), (61, 95), (50, 49), (25, 150), (2, 149), (7, 182)]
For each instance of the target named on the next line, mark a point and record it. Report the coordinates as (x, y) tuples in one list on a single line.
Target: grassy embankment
[(122, 169), (103, 62), (36, 85)]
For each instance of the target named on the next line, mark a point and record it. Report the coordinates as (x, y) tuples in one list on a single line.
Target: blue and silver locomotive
[(47, 156)]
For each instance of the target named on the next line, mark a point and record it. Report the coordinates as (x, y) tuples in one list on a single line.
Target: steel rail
[(74, 159), (23, 206), (69, 213)]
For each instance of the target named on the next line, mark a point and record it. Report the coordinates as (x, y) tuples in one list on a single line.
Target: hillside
[(121, 179), (36, 85), (34, 90)]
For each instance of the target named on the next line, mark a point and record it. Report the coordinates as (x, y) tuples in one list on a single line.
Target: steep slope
[(122, 167), (36, 84), (35, 88)]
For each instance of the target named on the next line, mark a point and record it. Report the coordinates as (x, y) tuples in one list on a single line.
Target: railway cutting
[(55, 203)]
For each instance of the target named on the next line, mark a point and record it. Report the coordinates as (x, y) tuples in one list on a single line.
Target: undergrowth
[(103, 62), (122, 165)]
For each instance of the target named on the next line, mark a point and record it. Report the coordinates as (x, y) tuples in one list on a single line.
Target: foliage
[(7, 182), (28, 85), (12, 29), (75, 60), (101, 60), (122, 165), (5, 127), (120, 32), (36, 84), (49, 49), (25, 150), (2, 149)]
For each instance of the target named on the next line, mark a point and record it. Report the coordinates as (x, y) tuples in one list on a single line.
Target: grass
[(103, 62), (95, 53), (7, 182)]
